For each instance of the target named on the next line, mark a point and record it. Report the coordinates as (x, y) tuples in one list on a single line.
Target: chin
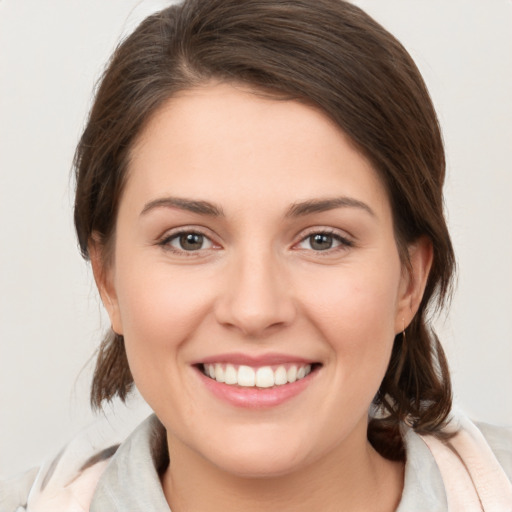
[(261, 456), (260, 465)]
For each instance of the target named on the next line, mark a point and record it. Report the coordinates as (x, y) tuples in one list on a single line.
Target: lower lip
[(256, 398)]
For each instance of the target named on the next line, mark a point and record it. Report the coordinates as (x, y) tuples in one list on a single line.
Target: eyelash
[(165, 242), (344, 242)]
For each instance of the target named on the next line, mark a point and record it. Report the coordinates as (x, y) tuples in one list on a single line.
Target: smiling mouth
[(262, 377)]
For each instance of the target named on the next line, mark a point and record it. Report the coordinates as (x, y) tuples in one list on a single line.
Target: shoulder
[(500, 441), (475, 464), (14, 491), (69, 480), (63, 482)]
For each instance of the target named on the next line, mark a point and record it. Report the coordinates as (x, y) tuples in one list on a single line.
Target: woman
[(259, 190)]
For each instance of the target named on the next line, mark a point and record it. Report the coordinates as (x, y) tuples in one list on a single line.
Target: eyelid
[(346, 241), (171, 234)]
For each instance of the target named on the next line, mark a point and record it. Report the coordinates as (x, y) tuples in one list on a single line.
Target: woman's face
[(256, 280)]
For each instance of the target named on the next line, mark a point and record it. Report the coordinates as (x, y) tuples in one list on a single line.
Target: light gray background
[(52, 52)]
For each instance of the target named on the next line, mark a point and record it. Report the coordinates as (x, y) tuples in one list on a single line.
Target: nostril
[(254, 303)]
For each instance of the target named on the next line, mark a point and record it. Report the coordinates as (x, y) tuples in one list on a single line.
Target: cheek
[(355, 313), (160, 309), (358, 300)]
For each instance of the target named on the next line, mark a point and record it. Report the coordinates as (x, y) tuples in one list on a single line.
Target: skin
[(256, 286)]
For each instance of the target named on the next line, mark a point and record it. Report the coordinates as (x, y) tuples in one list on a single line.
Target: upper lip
[(269, 359)]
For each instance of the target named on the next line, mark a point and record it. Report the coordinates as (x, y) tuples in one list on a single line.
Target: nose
[(256, 298)]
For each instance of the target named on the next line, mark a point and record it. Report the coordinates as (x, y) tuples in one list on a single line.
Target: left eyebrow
[(322, 205), (191, 205)]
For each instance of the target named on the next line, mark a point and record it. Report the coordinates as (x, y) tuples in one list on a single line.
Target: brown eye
[(324, 241), (191, 241), (321, 241), (187, 241)]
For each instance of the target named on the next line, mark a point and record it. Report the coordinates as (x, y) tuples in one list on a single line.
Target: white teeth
[(291, 374), (219, 373), (263, 377), (246, 376), (280, 377), (230, 375)]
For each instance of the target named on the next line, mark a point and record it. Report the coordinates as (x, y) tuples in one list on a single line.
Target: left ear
[(413, 282)]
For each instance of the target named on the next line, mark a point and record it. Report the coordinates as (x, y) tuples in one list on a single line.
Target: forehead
[(226, 142)]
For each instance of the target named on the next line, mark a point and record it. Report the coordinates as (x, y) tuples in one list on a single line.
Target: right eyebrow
[(200, 207), (322, 205)]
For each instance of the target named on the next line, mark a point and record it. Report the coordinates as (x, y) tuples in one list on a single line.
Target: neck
[(349, 478)]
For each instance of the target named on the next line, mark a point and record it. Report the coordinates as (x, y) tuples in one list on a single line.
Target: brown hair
[(328, 53)]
